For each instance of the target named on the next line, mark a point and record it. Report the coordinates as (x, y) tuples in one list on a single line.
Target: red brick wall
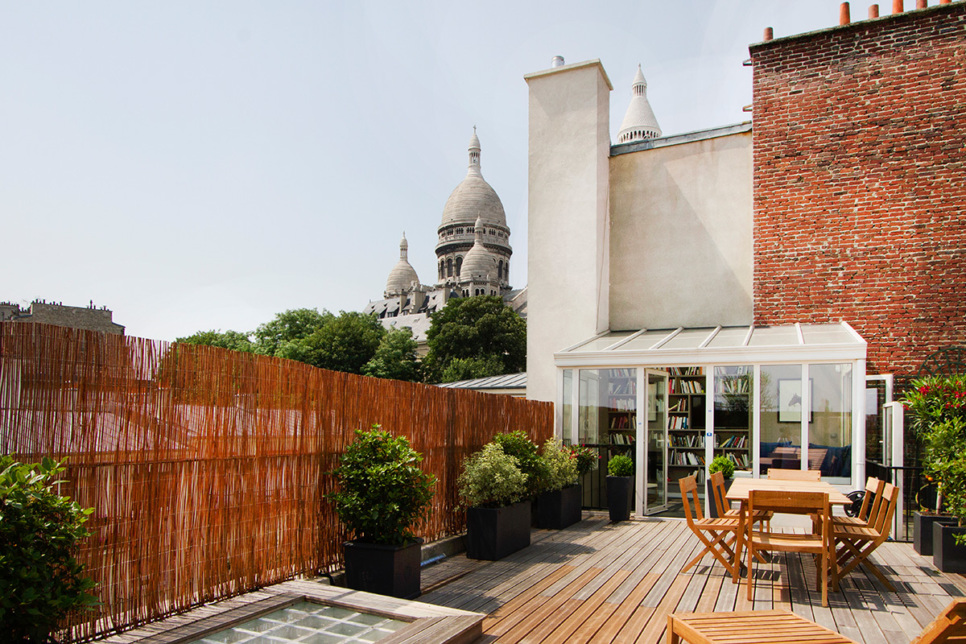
[(860, 182)]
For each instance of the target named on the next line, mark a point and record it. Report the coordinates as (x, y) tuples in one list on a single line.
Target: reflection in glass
[(733, 414), (781, 435), (830, 420)]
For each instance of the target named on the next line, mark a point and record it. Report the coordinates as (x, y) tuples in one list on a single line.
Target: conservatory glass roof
[(718, 345)]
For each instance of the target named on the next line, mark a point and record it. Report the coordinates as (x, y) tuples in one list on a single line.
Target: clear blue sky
[(204, 165)]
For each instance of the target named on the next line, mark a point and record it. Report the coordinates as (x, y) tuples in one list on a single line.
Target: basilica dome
[(473, 198), (478, 263), (402, 275)]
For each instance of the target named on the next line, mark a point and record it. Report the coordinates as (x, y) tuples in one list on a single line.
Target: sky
[(197, 165)]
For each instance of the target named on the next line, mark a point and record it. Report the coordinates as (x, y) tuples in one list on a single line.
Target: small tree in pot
[(620, 487), (558, 505), (382, 493), (497, 519), (726, 466), (518, 445)]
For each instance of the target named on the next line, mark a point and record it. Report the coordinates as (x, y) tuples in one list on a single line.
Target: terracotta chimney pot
[(896, 6), (844, 18), (921, 4), (769, 33), (874, 11)]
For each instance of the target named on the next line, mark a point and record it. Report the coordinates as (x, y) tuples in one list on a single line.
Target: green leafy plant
[(491, 478), (586, 458), (560, 466), (40, 530), (722, 464), (382, 490), (518, 445), (620, 465)]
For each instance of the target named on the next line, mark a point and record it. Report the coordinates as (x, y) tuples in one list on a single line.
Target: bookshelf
[(732, 417), (686, 413), (621, 404)]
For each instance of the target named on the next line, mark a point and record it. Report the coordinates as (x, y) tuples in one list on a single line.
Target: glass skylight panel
[(646, 340), (827, 334), (599, 344), (774, 336), (688, 339), (729, 337)]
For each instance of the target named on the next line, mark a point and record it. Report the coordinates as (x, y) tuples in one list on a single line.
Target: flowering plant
[(935, 399), (586, 458)]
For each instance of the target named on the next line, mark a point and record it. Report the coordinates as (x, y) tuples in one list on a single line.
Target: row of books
[(622, 422), (623, 373), (686, 386), (741, 461), (622, 439), (680, 406), (697, 474), (677, 422), (736, 442), (691, 440), (685, 458), (685, 371), (622, 387), (628, 403)]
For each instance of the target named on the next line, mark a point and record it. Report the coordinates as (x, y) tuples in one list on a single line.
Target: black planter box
[(946, 555), (382, 569), (620, 497), (923, 529), (709, 504), (494, 533), (558, 509)]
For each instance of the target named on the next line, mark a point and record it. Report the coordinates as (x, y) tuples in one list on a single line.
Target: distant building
[(473, 258), (77, 317)]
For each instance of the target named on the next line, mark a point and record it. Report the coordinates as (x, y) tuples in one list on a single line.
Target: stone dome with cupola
[(402, 276), (474, 203)]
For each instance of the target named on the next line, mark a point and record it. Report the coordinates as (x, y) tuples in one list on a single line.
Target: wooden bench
[(758, 626)]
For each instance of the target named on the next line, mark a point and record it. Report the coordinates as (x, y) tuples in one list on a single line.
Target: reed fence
[(206, 468)]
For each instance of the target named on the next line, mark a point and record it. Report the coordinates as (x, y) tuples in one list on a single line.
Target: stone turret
[(639, 122)]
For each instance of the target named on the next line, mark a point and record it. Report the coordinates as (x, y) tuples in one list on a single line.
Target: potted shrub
[(40, 531), (518, 445), (726, 466), (558, 505), (382, 493), (620, 487), (497, 517), (933, 402), (949, 538)]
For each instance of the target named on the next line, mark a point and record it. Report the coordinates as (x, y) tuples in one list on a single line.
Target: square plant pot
[(383, 569), (923, 528), (620, 497), (947, 556), (558, 509), (494, 533)]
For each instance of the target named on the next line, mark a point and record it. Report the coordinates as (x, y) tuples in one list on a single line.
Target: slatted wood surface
[(601, 582)]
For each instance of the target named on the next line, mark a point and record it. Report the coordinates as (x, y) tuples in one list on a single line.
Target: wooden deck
[(598, 582)]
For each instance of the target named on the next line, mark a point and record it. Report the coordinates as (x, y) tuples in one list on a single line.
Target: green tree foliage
[(518, 445), (382, 490), (233, 340), (343, 343), (491, 478), (291, 326), (395, 357), (40, 578), (482, 332)]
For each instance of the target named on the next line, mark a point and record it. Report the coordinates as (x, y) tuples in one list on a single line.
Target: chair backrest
[(719, 493), (792, 501), (780, 474), (689, 495), (882, 521), (949, 625), (873, 491)]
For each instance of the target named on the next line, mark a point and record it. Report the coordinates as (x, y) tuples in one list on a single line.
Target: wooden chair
[(724, 508), (772, 626), (869, 509), (820, 544), (856, 542), (759, 626), (713, 533), (778, 474)]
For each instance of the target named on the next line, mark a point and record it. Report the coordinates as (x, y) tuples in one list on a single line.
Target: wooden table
[(742, 486)]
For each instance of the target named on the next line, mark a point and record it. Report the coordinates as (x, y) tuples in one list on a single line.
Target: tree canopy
[(291, 326), (234, 340), (475, 337), (395, 357)]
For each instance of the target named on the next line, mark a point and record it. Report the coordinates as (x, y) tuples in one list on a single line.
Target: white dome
[(639, 121), (402, 275), (473, 198), (478, 263)]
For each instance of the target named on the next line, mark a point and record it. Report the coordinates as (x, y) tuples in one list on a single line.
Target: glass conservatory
[(763, 397)]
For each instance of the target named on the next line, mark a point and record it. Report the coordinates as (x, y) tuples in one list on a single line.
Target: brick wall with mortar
[(860, 182)]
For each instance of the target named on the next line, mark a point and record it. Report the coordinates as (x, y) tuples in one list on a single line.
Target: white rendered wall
[(681, 234), (567, 235)]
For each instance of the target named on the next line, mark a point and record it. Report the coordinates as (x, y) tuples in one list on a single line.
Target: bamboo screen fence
[(206, 468)]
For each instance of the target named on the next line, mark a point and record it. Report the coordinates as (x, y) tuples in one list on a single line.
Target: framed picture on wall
[(790, 400)]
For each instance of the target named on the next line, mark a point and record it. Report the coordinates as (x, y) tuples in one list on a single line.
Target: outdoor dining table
[(742, 487)]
